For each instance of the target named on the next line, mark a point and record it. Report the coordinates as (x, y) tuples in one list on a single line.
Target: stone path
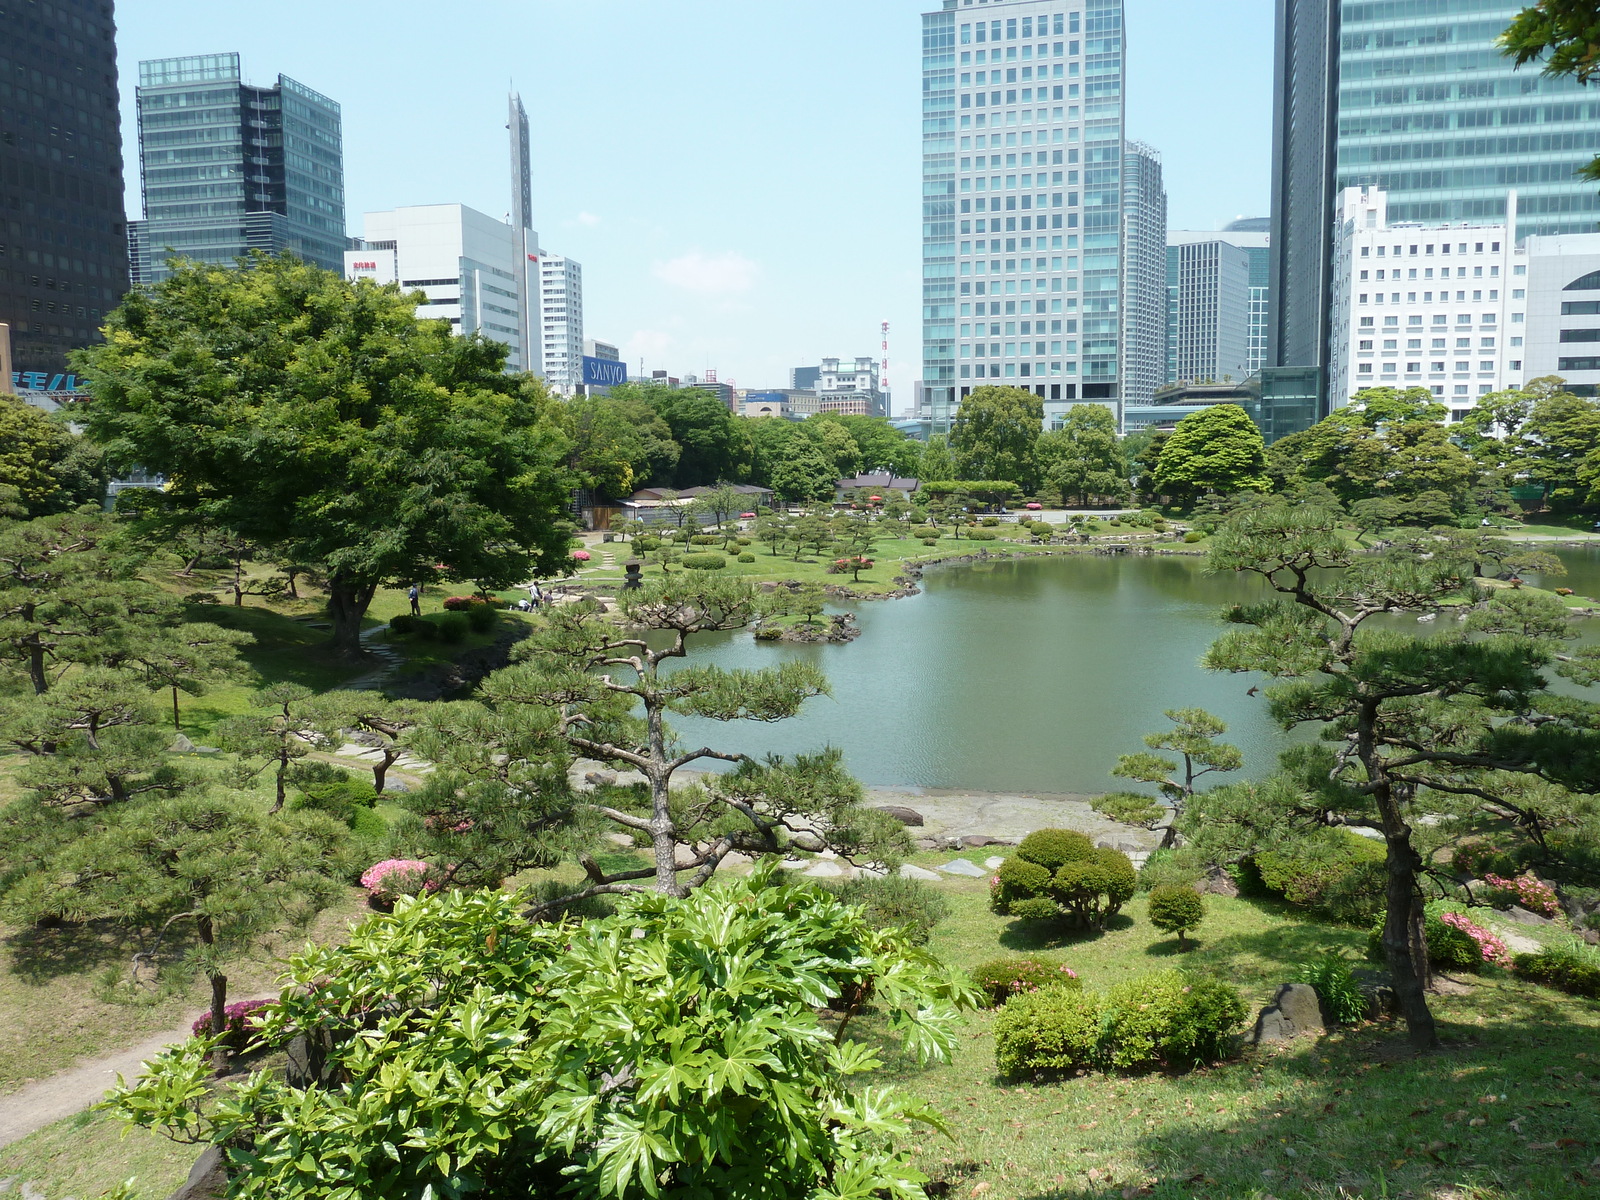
[(60, 1096)]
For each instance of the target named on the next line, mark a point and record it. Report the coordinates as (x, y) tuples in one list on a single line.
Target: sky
[(741, 182)]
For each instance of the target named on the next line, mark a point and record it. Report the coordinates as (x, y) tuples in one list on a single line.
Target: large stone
[(1294, 1010), (1523, 917), (181, 745), (994, 862), (962, 866), (906, 816), (1217, 882), (912, 871), (823, 869), (600, 779), (929, 844), (977, 841), (208, 1178)]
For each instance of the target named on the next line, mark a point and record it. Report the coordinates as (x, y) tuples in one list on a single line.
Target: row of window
[(992, 245), (1462, 344), (1026, 74), (1029, 349), (1444, 273), (1444, 297), (1023, 27), (1462, 319), (1462, 368), (993, 266)]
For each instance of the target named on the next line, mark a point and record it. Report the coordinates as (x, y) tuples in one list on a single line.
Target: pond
[(1023, 676)]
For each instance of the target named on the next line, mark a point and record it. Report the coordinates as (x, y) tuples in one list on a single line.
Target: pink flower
[(1492, 948), (581, 555), (396, 877)]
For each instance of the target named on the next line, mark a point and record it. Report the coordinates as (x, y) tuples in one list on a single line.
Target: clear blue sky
[(740, 181)]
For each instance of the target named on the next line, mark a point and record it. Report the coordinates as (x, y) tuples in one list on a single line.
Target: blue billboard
[(604, 372)]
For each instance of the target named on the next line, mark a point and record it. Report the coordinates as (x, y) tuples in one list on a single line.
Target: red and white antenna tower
[(883, 379)]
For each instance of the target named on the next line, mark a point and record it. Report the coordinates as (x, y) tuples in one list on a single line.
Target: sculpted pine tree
[(589, 688), (1194, 740), (287, 724), (1412, 718)]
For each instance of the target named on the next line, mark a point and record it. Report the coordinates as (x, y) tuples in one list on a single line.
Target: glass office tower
[(63, 247), (228, 168), (1144, 274), (1023, 201)]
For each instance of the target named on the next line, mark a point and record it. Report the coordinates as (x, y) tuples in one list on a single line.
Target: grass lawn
[(89, 1154), (1318, 1118)]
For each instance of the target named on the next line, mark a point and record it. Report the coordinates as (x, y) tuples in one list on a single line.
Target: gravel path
[(61, 1096)]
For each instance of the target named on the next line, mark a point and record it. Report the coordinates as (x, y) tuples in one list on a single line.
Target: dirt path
[(61, 1096)]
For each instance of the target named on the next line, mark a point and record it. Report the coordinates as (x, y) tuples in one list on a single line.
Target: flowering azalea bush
[(238, 1023), (1490, 948), (1528, 891), (581, 555), (1007, 977), (387, 881), (855, 564), (462, 603)]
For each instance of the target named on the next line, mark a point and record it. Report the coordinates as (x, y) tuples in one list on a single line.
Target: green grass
[(1305, 1120), (89, 1154)]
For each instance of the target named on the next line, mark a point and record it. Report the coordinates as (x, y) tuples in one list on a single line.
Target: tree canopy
[(1218, 449), (1083, 460), (994, 435), (321, 419)]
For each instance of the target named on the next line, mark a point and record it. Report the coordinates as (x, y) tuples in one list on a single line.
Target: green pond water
[(1025, 676)]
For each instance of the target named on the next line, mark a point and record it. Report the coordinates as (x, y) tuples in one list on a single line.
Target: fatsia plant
[(675, 1049), (1414, 718)]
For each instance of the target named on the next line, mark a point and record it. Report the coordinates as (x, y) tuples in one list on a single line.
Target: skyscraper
[(529, 319), (1144, 274), (1022, 201), (229, 168), (1217, 302), (1416, 99), (63, 245), (561, 310)]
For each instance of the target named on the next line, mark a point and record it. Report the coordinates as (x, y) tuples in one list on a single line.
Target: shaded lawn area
[(1317, 1118), (91, 1153)]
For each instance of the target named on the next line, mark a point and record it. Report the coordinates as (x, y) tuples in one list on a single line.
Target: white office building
[(1144, 274), (1023, 201), (561, 312), (1435, 306), (463, 262), (1563, 298), (1209, 324)]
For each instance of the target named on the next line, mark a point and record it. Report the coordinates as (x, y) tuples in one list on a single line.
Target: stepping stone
[(962, 866), (994, 863), (824, 869), (911, 871)]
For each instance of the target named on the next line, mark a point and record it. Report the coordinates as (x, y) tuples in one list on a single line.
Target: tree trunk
[(663, 832), (1405, 947), (175, 724), (347, 605), (380, 769), (219, 1001), (282, 776), (36, 672)]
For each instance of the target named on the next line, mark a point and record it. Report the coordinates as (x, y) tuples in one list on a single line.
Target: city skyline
[(685, 206)]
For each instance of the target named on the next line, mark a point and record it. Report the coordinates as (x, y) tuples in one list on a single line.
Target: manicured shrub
[(930, 541), (1159, 526), (1193, 536), (747, 558), (202, 598), (1042, 530), (404, 624), (1035, 908), (704, 562), (1004, 978), (644, 544), (890, 902), (1528, 891), (239, 1023), (340, 799), (1172, 1018), (481, 618), (392, 878), (369, 824), (463, 603), (982, 535), (1337, 989), (1571, 967), (1093, 890), (704, 539), (1016, 879), (1336, 873), (450, 626), (1129, 808), (1176, 909), (991, 522), (1054, 848)]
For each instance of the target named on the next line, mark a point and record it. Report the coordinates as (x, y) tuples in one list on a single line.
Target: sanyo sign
[(603, 372)]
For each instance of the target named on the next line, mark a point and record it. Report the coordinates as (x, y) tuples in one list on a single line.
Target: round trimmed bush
[(1054, 848), (1193, 536), (403, 624), (704, 539), (1004, 978), (481, 617), (747, 558), (982, 535), (1176, 909), (930, 541), (1017, 879), (704, 562), (991, 522), (1094, 889), (1336, 873)]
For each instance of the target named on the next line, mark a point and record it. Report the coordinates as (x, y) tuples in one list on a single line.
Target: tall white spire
[(527, 241)]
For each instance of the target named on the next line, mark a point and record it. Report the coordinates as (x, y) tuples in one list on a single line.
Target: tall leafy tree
[(1083, 459), (1416, 725), (995, 433), (53, 469), (805, 473), (1218, 449), (937, 461), (321, 419), (714, 446), (836, 442), (1561, 433), (618, 443)]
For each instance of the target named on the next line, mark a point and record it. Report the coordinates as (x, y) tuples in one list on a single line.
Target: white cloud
[(649, 344), (588, 218), (718, 274)]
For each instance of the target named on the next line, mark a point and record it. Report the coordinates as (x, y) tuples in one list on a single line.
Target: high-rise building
[(1219, 281), (1563, 297), (1144, 274), (464, 263), (850, 380), (1022, 201), (228, 168), (561, 321), (63, 244), (1414, 98), (530, 321), (1436, 306)]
